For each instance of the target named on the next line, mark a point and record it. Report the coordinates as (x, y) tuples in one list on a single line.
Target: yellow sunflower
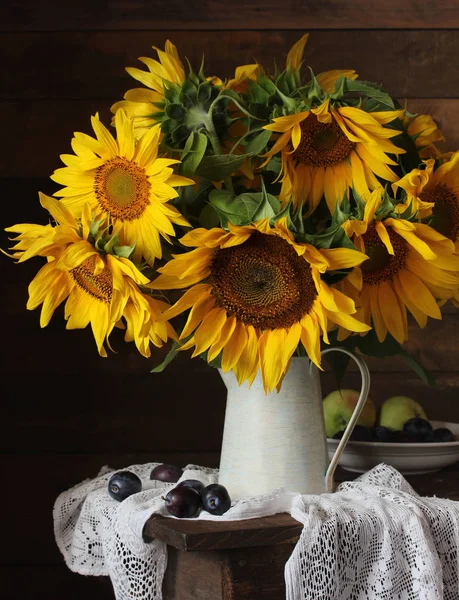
[(424, 131), (436, 192), (414, 183), (126, 181), (139, 103), (98, 290), (325, 151), (242, 75), (255, 294), (411, 266), (327, 79)]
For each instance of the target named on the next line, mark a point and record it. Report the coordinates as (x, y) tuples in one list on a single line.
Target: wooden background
[(66, 412)]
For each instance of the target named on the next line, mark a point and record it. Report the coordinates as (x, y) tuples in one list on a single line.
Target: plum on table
[(192, 483), (183, 502), (167, 473), (123, 484), (215, 499)]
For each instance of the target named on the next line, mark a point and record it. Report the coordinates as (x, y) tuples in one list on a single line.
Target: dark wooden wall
[(65, 411)]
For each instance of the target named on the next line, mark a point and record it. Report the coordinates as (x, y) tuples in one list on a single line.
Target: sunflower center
[(445, 211), (263, 282), (122, 188), (322, 144), (98, 286), (381, 265)]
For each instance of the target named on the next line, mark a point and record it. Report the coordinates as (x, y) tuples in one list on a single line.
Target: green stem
[(215, 143), (240, 140)]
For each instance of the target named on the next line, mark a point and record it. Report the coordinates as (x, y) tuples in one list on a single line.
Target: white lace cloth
[(374, 538)]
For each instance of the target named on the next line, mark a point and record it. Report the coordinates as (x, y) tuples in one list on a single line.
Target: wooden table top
[(199, 535)]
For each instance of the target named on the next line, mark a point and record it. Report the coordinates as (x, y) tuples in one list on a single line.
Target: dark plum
[(382, 434), (123, 484), (406, 438), (442, 434), (166, 472), (192, 483), (338, 435), (215, 499), (361, 434), (418, 427), (183, 502)]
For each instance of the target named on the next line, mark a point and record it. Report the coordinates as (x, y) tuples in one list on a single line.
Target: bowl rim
[(377, 444)]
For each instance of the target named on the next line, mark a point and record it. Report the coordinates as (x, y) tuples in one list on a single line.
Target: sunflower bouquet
[(250, 219)]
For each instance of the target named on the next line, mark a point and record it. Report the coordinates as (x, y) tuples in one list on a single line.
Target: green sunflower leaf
[(258, 143), (219, 166), (286, 212), (315, 90), (333, 237), (268, 207), (371, 346), (175, 111), (193, 153), (420, 370), (340, 88), (342, 212), (245, 208), (234, 96), (216, 363), (209, 217), (386, 206), (338, 361), (169, 358), (223, 203), (123, 251), (373, 90)]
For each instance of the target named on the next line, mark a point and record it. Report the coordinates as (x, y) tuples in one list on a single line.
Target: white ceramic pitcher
[(278, 440)]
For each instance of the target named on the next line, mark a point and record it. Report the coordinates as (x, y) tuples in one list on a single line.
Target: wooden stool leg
[(255, 573)]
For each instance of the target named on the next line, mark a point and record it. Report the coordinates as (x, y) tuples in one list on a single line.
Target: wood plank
[(192, 576), (24, 15), (91, 65), (54, 581), (255, 575), (201, 535), (35, 143)]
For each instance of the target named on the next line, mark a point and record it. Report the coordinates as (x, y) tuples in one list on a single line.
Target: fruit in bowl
[(401, 419), (338, 407), (402, 452), (397, 410)]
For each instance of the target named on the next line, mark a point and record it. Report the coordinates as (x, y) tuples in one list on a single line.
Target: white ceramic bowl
[(405, 457)]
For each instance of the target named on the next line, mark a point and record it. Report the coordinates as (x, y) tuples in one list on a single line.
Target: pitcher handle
[(365, 373)]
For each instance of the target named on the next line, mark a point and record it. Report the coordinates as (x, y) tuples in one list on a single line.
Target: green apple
[(338, 408), (396, 410)]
